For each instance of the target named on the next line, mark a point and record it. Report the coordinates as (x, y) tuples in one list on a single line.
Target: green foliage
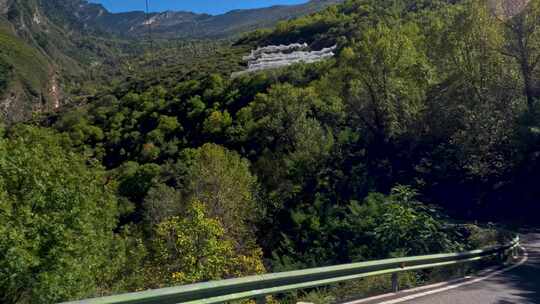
[(136, 180), (394, 75), (57, 217), (222, 181), (284, 125), (168, 124), (381, 226), (313, 29), (217, 122), (404, 230), (522, 28), (161, 203), (318, 297), (27, 64), (194, 248), (479, 237), (302, 162)]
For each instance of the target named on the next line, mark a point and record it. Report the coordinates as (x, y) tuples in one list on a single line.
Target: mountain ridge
[(68, 39), (185, 24)]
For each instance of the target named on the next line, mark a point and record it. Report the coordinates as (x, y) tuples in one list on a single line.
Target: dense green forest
[(428, 115)]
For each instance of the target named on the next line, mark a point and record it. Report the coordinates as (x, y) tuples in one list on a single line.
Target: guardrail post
[(260, 300), (395, 282), (462, 271), (501, 256)]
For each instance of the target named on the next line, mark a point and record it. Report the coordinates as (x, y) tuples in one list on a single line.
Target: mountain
[(48, 47), (178, 24), (425, 121), (28, 73), (42, 56)]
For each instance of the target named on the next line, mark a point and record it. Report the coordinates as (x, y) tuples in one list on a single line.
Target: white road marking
[(446, 288)]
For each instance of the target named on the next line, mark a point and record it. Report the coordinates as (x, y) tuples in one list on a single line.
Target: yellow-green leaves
[(217, 122), (391, 76), (194, 248), (221, 180)]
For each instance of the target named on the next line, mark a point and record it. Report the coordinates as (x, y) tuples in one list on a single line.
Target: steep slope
[(42, 56), (27, 76), (49, 46)]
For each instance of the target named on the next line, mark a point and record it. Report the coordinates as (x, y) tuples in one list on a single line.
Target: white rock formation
[(36, 18), (276, 56)]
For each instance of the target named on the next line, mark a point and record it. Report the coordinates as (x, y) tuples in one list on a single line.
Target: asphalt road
[(517, 286)]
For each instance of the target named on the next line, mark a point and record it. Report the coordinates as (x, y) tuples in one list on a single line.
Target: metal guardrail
[(260, 286)]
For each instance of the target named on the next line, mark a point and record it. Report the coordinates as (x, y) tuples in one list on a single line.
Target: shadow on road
[(520, 285), (523, 283), (517, 286)]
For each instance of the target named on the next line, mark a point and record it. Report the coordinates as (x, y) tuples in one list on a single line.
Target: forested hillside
[(428, 116), (45, 58), (58, 52)]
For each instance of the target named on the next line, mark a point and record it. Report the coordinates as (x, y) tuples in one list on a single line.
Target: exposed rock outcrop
[(276, 56)]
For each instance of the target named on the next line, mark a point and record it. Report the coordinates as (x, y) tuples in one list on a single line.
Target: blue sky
[(199, 6)]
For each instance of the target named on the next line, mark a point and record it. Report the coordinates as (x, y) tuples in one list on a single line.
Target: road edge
[(418, 292)]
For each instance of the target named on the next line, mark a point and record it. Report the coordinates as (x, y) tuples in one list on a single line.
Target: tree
[(168, 124), (194, 248), (401, 225), (390, 78), (57, 217), (285, 130), (160, 203), (522, 23), (135, 180), (474, 105), (221, 180), (404, 229), (217, 122)]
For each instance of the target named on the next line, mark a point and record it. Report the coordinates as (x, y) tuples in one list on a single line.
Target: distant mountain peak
[(52, 42), (183, 24)]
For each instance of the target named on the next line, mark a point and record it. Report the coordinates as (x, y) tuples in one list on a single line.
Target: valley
[(78, 45)]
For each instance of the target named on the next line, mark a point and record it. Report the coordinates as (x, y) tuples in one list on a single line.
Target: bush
[(57, 218), (194, 248)]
